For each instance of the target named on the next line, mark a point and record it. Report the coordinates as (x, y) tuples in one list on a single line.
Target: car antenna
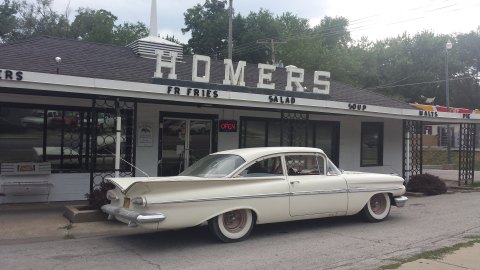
[(129, 163)]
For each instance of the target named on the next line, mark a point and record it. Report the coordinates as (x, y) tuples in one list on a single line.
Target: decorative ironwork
[(466, 160), (412, 148), (294, 129), (102, 126)]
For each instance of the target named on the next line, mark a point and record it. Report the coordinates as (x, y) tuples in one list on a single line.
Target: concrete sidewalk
[(45, 221), (464, 258)]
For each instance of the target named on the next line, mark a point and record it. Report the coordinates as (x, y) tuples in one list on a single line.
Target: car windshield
[(214, 166)]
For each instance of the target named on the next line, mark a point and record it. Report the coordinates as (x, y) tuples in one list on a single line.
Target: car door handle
[(294, 182)]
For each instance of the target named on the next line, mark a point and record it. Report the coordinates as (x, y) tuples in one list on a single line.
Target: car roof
[(256, 152)]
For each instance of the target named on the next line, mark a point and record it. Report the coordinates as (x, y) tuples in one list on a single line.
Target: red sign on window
[(227, 125)]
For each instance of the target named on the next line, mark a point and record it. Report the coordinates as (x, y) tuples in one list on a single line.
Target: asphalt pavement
[(27, 223)]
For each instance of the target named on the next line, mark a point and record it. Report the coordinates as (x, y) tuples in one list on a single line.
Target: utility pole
[(448, 46), (230, 15), (272, 43)]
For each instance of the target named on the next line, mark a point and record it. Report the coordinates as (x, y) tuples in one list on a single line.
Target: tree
[(208, 24), (93, 25), (8, 20), (466, 91), (333, 32), (23, 20), (126, 33), (260, 26), (412, 68)]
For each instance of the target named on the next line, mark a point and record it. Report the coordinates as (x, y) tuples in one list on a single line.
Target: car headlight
[(111, 195), (139, 201)]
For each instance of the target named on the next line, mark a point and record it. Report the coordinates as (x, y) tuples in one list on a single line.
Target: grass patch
[(67, 226), (439, 157), (476, 184), (68, 236), (432, 254)]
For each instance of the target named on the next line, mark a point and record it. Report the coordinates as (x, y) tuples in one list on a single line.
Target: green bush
[(427, 184), (99, 196)]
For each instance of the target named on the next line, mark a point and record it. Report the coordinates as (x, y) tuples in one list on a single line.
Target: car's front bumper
[(131, 215), (400, 201)]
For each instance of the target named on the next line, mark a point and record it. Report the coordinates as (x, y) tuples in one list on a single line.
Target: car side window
[(306, 164), (266, 167), (332, 169)]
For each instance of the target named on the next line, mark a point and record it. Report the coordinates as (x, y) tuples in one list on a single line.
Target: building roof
[(111, 62)]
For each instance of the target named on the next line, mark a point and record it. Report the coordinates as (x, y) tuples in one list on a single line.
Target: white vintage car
[(236, 189)]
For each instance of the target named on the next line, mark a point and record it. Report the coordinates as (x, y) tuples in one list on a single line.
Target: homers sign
[(295, 76)]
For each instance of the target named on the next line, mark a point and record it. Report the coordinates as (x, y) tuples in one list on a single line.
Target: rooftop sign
[(295, 76)]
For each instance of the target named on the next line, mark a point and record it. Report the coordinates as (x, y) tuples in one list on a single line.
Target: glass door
[(184, 141)]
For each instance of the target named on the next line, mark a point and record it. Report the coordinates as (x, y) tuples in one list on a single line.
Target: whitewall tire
[(232, 226), (377, 208)]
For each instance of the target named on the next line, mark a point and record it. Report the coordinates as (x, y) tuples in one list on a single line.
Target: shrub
[(99, 196), (426, 183)]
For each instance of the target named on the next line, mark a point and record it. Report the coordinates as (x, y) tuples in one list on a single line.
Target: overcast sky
[(375, 19)]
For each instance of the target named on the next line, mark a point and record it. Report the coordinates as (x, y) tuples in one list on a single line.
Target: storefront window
[(372, 144), (254, 133), (273, 133), (21, 134), (65, 148), (56, 135), (325, 135), (257, 132)]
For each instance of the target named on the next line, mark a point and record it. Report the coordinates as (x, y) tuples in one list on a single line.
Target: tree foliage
[(8, 9), (93, 25), (126, 33), (22, 20), (25, 20), (208, 26), (413, 68)]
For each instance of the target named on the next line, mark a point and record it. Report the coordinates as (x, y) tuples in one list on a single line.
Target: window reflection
[(304, 165), (255, 134), (372, 144), (20, 133), (63, 137)]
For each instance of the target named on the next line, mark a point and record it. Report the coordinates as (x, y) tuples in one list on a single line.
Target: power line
[(272, 43), (411, 84), (247, 47)]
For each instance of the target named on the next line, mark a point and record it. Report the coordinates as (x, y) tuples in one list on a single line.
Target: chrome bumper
[(132, 216), (400, 201)]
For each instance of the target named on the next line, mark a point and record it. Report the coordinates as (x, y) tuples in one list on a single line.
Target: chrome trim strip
[(259, 196), (316, 192), (273, 195), (355, 190)]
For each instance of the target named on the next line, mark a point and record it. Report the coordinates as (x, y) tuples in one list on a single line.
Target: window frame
[(85, 133), (240, 170), (321, 172), (379, 127), (334, 143)]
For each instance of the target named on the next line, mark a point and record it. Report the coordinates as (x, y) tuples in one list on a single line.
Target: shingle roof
[(94, 60)]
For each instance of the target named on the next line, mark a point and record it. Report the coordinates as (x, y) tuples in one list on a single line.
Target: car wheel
[(232, 226), (377, 208)]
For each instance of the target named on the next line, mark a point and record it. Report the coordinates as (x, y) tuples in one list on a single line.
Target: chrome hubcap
[(235, 221), (378, 204)]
